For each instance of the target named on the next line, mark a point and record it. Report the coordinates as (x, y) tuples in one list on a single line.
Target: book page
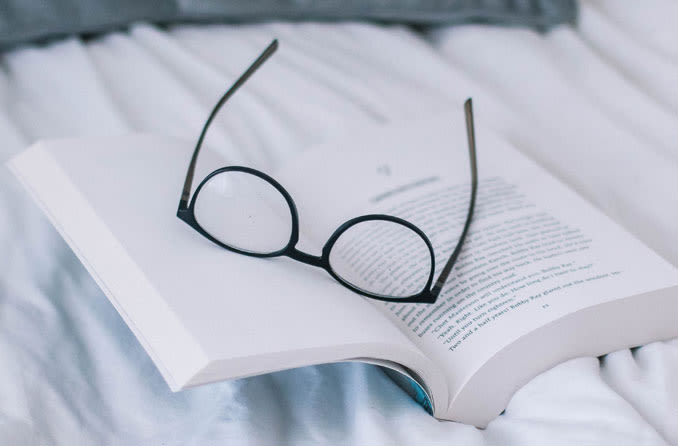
[(535, 251), (203, 313)]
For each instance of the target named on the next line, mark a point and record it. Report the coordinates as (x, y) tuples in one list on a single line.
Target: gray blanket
[(24, 21)]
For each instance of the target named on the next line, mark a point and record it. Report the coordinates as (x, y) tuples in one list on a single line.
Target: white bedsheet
[(597, 105)]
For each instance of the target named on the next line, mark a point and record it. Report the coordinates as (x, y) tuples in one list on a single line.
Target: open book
[(543, 276)]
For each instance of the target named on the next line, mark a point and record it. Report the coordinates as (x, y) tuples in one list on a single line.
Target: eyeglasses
[(378, 256)]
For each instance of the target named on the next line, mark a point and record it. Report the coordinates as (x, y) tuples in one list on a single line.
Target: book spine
[(411, 387)]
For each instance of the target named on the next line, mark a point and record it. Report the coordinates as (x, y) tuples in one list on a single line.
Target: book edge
[(36, 162), (635, 335)]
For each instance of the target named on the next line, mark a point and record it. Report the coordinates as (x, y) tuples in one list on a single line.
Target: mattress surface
[(596, 105)]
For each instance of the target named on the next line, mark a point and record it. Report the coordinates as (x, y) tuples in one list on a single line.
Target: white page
[(203, 313), (396, 169)]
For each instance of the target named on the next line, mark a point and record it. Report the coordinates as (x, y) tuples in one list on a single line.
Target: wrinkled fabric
[(596, 105)]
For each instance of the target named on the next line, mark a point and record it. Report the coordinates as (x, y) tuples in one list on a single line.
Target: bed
[(596, 104)]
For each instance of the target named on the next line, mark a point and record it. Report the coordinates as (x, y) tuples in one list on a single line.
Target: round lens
[(245, 212), (383, 258)]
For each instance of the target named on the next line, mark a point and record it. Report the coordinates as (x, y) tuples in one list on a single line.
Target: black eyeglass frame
[(428, 294)]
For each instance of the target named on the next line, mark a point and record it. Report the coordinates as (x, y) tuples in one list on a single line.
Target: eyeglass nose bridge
[(300, 256)]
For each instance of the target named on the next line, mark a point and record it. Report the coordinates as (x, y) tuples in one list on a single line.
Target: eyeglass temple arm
[(270, 49), (470, 133)]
